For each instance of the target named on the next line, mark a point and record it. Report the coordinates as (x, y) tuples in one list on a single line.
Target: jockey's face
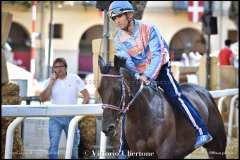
[(123, 21)]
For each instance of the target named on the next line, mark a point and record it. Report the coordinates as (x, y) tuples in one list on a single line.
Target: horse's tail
[(216, 148)]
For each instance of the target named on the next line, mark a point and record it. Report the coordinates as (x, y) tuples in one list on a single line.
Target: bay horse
[(152, 124)]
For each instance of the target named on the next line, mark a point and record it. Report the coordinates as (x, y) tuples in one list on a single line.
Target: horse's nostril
[(104, 131), (111, 128)]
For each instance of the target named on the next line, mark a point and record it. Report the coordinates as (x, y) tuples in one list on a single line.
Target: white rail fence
[(87, 109), (45, 111), (222, 94)]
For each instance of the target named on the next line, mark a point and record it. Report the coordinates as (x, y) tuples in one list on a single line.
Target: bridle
[(124, 107)]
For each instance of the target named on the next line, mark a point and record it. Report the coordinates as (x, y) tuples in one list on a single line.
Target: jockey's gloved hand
[(137, 76), (153, 83), (147, 82), (143, 78)]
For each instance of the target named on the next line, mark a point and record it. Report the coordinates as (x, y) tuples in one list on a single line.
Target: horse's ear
[(119, 62), (101, 63)]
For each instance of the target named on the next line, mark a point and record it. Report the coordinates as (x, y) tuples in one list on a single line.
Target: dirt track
[(232, 151)]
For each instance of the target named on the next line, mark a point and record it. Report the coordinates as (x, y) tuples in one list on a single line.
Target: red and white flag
[(195, 10)]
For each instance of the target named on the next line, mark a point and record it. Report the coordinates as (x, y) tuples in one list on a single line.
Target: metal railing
[(230, 118), (9, 136), (222, 94), (45, 111), (71, 130)]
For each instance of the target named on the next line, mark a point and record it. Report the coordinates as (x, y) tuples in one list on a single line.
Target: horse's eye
[(117, 89)]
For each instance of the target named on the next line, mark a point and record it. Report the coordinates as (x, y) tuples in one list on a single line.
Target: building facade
[(76, 24)]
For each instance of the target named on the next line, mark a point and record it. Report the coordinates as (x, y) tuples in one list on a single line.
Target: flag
[(195, 10)]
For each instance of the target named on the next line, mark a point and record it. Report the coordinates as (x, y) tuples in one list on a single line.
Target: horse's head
[(110, 90)]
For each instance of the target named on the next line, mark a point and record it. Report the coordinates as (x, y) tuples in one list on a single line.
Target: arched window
[(185, 41), (85, 65)]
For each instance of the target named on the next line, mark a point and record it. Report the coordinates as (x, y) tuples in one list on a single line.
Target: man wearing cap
[(147, 56)]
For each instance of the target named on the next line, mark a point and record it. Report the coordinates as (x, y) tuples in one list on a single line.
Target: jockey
[(147, 56)]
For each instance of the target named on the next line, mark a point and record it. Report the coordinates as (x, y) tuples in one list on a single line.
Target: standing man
[(147, 55), (226, 55), (62, 88)]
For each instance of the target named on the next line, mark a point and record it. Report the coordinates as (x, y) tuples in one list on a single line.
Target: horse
[(152, 124)]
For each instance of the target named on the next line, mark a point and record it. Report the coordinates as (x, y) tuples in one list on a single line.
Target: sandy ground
[(232, 151)]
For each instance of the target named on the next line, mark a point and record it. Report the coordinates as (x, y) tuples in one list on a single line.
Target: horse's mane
[(108, 68), (120, 65), (121, 68)]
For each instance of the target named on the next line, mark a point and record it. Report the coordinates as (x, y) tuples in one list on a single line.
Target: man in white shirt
[(62, 88)]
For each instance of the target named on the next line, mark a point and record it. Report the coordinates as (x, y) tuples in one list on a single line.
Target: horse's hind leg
[(215, 150), (216, 147)]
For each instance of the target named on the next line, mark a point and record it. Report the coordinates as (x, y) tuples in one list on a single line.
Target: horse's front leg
[(166, 141), (166, 150)]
